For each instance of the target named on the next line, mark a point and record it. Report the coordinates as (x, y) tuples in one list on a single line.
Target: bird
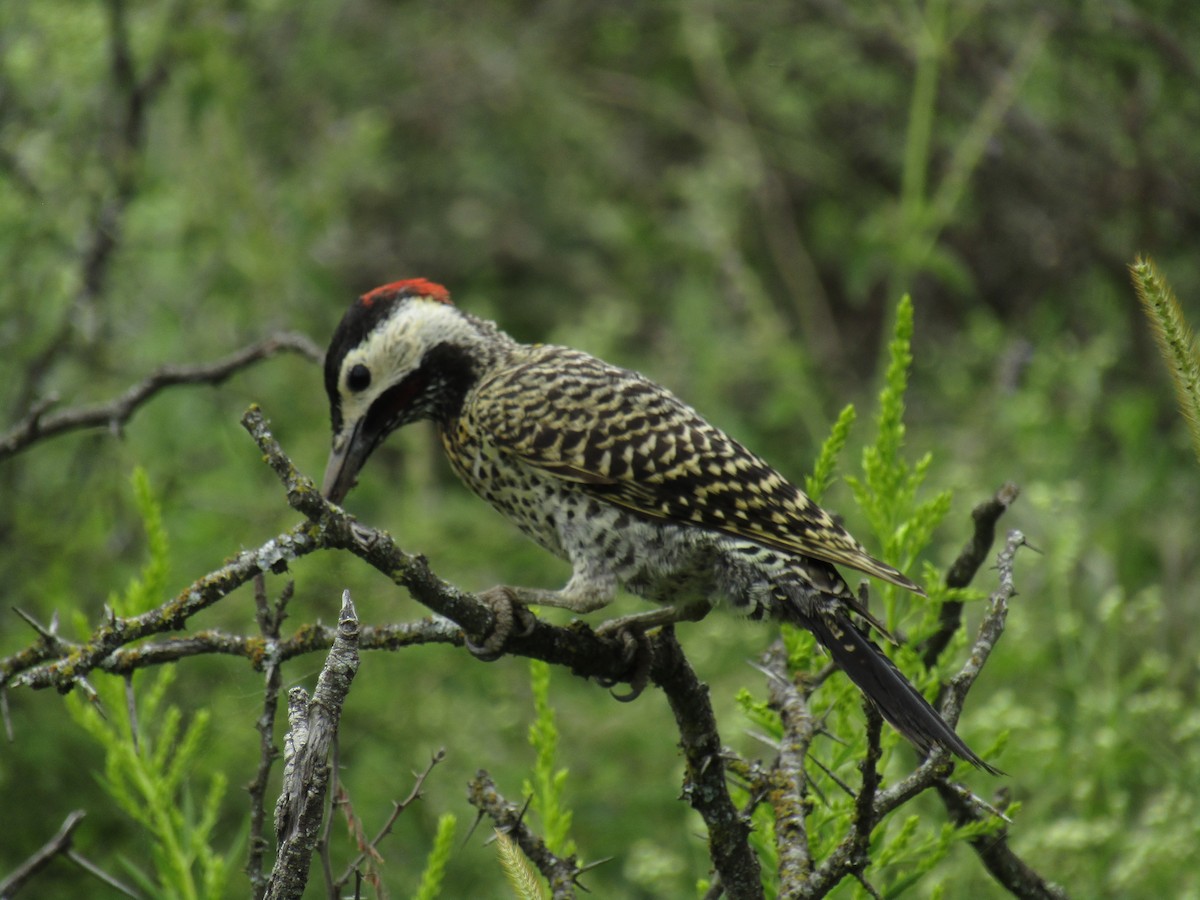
[(613, 473)]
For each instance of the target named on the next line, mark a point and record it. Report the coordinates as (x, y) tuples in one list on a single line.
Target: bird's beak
[(350, 450)]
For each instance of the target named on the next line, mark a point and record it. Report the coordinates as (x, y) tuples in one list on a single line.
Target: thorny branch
[(60, 845), (994, 850), (509, 818), (413, 796), (119, 645), (872, 802)]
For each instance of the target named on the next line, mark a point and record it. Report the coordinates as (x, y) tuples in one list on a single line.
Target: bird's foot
[(637, 654), (510, 618)]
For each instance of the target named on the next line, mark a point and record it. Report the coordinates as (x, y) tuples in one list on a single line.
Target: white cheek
[(389, 355)]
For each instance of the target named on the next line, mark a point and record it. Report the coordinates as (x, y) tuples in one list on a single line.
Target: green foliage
[(435, 866), (148, 767), (548, 785), (1175, 341), (825, 467), (912, 852), (887, 490), (149, 761), (149, 587), (903, 853)]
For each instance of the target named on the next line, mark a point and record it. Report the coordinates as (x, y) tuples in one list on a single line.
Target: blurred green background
[(729, 197)]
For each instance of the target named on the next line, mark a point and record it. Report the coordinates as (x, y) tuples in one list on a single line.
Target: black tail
[(877, 677)]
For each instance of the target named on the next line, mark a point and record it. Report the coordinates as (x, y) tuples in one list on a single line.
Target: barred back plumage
[(613, 473)]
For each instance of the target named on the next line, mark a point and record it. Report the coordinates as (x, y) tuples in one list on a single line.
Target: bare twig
[(314, 723), (963, 570), (989, 632), (57, 845), (398, 808), (964, 808), (114, 414), (269, 621), (61, 845), (336, 796), (789, 776)]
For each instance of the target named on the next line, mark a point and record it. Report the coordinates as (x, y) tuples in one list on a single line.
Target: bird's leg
[(508, 604), (667, 615)]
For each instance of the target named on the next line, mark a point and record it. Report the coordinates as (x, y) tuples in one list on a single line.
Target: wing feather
[(636, 445)]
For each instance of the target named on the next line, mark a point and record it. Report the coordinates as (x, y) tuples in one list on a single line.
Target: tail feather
[(878, 677)]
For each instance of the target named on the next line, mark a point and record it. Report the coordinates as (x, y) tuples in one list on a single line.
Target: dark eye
[(358, 378)]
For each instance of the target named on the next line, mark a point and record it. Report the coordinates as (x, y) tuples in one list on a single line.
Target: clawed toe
[(501, 602), (511, 618), (637, 653)]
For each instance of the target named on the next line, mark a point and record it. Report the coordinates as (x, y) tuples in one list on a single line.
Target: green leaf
[(435, 865)]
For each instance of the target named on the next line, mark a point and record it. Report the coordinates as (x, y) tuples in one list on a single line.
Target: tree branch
[(314, 723), (704, 785), (563, 874), (963, 570), (789, 789), (269, 621), (60, 844), (994, 849), (37, 425)]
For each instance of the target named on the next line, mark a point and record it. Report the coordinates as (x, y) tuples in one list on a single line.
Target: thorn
[(824, 768), (8, 727), (771, 674), (470, 831), (92, 695), (45, 633), (765, 739), (524, 809)]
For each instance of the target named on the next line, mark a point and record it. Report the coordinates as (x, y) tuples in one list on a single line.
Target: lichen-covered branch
[(789, 776), (313, 726), (40, 668), (509, 818)]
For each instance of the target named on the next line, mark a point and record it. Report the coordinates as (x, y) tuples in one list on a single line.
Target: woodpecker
[(613, 473)]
